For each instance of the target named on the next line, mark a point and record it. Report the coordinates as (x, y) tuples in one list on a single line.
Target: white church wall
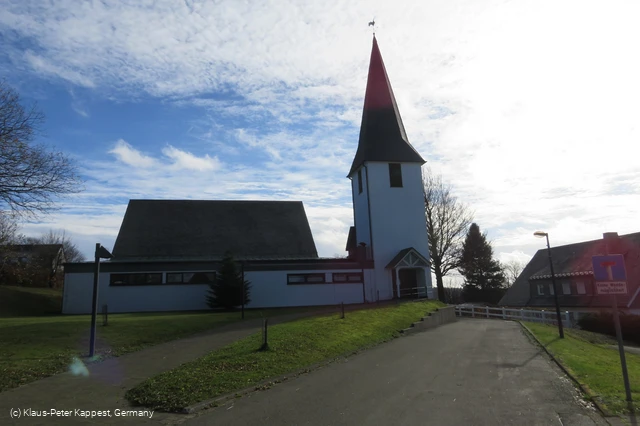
[(78, 290), (361, 209), (397, 214), (397, 217), (269, 289)]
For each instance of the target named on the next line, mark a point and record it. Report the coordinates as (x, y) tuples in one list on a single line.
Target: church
[(168, 251)]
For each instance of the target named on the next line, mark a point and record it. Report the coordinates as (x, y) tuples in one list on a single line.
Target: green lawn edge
[(292, 347), (37, 347), (590, 360)]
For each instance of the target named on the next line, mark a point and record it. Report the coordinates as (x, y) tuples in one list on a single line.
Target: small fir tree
[(484, 277), (226, 290)]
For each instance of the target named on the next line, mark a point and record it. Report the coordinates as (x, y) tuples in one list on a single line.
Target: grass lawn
[(35, 347), (596, 366), (292, 346), (25, 301)]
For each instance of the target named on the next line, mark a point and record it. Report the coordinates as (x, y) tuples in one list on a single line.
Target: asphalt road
[(471, 372)]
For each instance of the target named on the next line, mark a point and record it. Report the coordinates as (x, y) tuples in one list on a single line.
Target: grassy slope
[(35, 347), (293, 346), (593, 363), (25, 301)]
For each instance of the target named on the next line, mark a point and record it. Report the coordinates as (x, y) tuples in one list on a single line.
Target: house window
[(345, 278), (580, 287), (566, 288), (293, 279), (540, 289), (135, 279), (360, 181), (551, 289), (395, 175), (191, 277)]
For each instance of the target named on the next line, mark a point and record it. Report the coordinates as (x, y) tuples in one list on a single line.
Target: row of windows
[(568, 288), (190, 277), (395, 176), (336, 278), (155, 278)]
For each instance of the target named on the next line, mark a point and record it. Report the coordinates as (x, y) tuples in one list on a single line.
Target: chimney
[(612, 242)]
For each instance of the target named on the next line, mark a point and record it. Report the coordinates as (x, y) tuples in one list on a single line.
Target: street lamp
[(540, 234), (101, 253)]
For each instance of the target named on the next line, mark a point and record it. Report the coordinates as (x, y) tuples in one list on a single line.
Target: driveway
[(471, 372)]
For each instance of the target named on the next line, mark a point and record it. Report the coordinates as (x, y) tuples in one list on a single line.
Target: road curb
[(221, 400), (591, 395)]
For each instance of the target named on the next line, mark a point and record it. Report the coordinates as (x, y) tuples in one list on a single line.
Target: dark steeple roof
[(382, 134)]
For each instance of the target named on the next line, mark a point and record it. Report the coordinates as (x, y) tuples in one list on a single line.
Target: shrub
[(489, 297), (602, 323)]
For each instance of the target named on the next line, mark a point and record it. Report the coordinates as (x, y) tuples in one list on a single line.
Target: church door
[(408, 282)]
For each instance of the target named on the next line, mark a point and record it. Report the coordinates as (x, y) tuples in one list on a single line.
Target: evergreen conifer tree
[(226, 290), (483, 275)]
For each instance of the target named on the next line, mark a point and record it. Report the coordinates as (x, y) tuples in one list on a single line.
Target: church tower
[(388, 202)]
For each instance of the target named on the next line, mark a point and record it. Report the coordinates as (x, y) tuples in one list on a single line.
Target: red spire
[(382, 134), (379, 93)]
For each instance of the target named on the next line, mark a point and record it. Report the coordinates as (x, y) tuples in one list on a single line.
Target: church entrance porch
[(409, 271), (409, 283)]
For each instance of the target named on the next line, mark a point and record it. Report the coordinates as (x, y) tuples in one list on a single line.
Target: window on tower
[(360, 181), (395, 175)]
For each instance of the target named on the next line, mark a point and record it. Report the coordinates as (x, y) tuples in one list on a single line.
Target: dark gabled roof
[(202, 229), (382, 134), (575, 259), (351, 239), (572, 260), (406, 253)]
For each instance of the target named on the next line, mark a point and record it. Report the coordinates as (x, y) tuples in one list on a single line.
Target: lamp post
[(101, 253), (242, 266), (540, 234)]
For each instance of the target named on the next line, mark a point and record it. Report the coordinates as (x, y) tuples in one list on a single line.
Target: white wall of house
[(269, 289)]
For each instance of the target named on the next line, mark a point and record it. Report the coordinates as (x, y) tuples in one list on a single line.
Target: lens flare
[(77, 368)]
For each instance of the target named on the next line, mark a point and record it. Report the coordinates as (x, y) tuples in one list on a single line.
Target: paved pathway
[(472, 372), (108, 381)]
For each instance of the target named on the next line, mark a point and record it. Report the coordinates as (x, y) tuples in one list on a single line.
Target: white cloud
[(186, 160), (528, 108), (79, 109), (131, 156), (46, 66)]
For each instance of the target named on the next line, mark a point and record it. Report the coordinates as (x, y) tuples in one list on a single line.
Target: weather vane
[(373, 24)]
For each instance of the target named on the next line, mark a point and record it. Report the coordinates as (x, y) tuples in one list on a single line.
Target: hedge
[(603, 323)]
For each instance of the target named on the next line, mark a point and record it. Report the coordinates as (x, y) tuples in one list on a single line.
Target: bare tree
[(447, 222), (512, 270), (71, 251), (8, 228), (31, 176), (453, 293)]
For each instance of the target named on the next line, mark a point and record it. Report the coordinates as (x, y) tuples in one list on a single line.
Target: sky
[(529, 109)]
